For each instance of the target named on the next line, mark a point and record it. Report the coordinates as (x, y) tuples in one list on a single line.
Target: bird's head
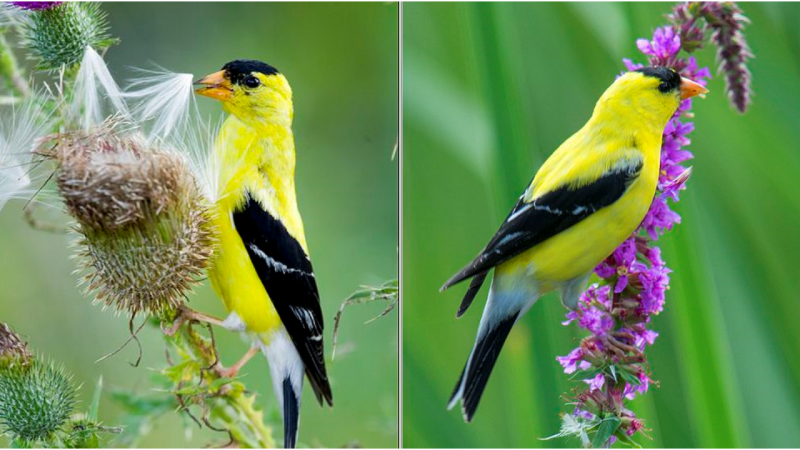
[(251, 90), (652, 92)]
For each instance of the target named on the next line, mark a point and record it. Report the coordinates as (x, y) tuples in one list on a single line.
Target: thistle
[(13, 352), (144, 229), (36, 400), (58, 35)]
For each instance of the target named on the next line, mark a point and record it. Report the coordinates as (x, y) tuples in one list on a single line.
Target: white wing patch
[(276, 265), (306, 316)]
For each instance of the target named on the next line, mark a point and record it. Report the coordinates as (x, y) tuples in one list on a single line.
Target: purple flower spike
[(634, 279)]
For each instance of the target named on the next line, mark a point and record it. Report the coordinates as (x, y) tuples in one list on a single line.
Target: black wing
[(286, 273), (529, 224)]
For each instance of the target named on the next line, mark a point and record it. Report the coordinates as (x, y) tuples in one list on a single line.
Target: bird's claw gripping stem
[(186, 314), (233, 370)]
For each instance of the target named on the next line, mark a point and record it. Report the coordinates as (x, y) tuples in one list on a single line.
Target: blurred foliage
[(490, 90), (341, 60), (388, 292)]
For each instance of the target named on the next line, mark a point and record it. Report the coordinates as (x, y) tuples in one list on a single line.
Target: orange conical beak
[(216, 86), (691, 89)]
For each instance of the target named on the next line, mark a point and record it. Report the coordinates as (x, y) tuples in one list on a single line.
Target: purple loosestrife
[(725, 23), (617, 311)]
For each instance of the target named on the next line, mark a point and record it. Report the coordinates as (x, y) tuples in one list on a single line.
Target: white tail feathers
[(287, 370)]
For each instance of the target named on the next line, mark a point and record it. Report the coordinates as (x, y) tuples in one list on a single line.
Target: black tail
[(469, 296), (479, 366), (291, 414)]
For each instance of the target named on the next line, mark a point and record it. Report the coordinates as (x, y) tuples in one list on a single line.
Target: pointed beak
[(691, 89), (216, 86)]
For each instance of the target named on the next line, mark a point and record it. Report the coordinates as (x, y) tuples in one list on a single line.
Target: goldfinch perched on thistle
[(262, 270), (586, 199)]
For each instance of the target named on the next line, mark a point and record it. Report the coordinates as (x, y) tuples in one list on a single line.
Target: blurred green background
[(490, 90), (342, 63)]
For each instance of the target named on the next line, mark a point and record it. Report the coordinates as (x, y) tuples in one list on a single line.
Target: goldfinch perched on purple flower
[(585, 200)]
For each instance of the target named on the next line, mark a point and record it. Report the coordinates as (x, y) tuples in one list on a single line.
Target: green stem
[(229, 404), (10, 69)]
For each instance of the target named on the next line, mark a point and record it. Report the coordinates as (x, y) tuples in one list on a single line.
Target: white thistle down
[(577, 427), (160, 105), (95, 91), (164, 100), (196, 146), (20, 129), (165, 104)]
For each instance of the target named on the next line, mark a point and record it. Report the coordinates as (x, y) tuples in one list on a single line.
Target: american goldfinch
[(586, 199), (262, 269)]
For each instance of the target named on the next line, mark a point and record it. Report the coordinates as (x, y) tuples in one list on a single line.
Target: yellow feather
[(625, 128), (257, 156)]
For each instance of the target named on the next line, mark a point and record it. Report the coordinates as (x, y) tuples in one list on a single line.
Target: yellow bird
[(262, 269), (585, 200)]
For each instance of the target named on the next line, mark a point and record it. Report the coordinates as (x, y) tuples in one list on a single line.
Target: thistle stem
[(233, 408), (10, 69)]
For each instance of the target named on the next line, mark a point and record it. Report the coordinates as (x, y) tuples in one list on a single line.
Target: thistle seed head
[(35, 400), (144, 230)]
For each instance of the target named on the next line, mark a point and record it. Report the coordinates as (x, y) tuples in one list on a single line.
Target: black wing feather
[(286, 273), (532, 223)]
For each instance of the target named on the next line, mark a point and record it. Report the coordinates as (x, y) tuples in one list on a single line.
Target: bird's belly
[(576, 251), (235, 280)]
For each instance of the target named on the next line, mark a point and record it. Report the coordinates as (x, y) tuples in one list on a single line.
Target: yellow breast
[(260, 164), (576, 251)]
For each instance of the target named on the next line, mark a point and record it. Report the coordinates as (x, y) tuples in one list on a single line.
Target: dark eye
[(252, 82), (664, 87)]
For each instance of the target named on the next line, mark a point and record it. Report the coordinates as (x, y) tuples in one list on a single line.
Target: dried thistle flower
[(145, 231), (35, 400), (12, 350)]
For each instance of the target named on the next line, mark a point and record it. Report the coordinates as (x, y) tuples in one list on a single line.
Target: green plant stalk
[(225, 400), (9, 68)]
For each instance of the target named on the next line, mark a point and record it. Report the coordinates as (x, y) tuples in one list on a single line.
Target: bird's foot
[(233, 370), (186, 314)]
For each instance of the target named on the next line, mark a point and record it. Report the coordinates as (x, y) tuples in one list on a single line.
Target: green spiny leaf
[(608, 426)]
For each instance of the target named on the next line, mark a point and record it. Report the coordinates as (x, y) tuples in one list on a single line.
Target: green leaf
[(608, 426), (94, 407), (182, 372), (625, 439)]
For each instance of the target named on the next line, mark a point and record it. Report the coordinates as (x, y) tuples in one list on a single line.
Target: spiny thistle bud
[(145, 231), (35, 400), (13, 351), (58, 36)]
